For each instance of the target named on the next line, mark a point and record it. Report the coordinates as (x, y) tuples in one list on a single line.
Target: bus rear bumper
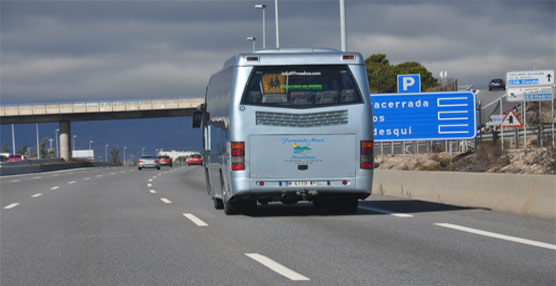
[(301, 190)]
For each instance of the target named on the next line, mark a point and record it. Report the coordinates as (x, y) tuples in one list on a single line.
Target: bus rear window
[(301, 86)]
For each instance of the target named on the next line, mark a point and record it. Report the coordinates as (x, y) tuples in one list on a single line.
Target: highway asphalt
[(121, 226)]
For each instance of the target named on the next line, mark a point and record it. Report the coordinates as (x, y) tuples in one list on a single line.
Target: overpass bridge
[(65, 113)]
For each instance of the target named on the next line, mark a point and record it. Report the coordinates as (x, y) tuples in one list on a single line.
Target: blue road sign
[(409, 83), (424, 116)]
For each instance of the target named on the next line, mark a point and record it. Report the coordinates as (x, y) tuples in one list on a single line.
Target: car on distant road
[(496, 83), (165, 160), (3, 158), (148, 161), (16, 157), (195, 159)]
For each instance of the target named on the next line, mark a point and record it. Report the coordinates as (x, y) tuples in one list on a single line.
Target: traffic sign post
[(409, 83), (531, 86), (426, 116)]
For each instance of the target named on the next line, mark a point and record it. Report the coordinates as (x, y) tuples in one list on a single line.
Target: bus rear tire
[(349, 205), (249, 207), (218, 204), (230, 208)]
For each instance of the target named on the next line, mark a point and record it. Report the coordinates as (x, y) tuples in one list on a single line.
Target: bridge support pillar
[(65, 133)]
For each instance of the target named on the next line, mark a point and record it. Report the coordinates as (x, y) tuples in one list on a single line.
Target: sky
[(75, 51), (67, 51)]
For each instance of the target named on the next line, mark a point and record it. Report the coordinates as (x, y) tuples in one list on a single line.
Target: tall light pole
[(262, 6), (90, 143), (343, 26), (38, 149), (252, 39), (106, 153), (73, 142), (277, 29), (142, 151), (13, 140), (56, 137), (124, 154)]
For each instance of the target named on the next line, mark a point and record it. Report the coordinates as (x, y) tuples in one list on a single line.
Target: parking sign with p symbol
[(409, 83)]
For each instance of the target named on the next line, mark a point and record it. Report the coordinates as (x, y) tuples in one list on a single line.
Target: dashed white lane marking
[(98, 176), (150, 180), (37, 177), (195, 219), (149, 185), (165, 200), (55, 188), (86, 179), (159, 174), (71, 182), (11, 206), (277, 267), (112, 173), (36, 195), (383, 211), (123, 172), (499, 236), (15, 181), (152, 191)]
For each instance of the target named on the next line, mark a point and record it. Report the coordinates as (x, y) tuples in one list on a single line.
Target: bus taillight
[(238, 156), (366, 154)]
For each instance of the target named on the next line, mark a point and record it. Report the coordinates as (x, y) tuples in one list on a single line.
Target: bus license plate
[(305, 183)]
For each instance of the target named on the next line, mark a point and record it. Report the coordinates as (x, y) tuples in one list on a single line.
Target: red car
[(15, 157), (195, 160), (165, 160)]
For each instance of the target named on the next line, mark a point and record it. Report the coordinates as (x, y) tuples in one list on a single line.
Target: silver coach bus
[(288, 125)]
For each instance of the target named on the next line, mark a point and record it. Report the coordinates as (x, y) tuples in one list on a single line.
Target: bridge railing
[(101, 106)]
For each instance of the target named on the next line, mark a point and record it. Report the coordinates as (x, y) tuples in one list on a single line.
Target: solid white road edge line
[(195, 219), (372, 209), (277, 267), (11, 206), (499, 236), (36, 195), (166, 201), (55, 188)]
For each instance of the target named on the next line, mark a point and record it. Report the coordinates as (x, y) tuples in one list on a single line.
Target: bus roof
[(296, 56)]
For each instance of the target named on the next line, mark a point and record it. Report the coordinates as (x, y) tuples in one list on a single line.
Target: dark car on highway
[(497, 83)]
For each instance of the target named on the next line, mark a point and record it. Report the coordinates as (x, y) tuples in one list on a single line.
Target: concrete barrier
[(532, 195), (38, 168)]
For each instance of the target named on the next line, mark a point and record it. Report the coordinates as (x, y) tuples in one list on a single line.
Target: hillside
[(488, 159)]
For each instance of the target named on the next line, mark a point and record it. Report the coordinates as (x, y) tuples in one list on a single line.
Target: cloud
[(69, 50)]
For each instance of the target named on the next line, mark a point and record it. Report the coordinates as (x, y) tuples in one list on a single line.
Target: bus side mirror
[(197, 119)]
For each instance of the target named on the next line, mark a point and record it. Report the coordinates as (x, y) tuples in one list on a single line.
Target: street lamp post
[(90, 143), (73, 142), (343, 26), (262, 6), (56, 137), (277, 29), (124, 154), (13, 140), (252, 39), (106, 153), (142, 151)]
